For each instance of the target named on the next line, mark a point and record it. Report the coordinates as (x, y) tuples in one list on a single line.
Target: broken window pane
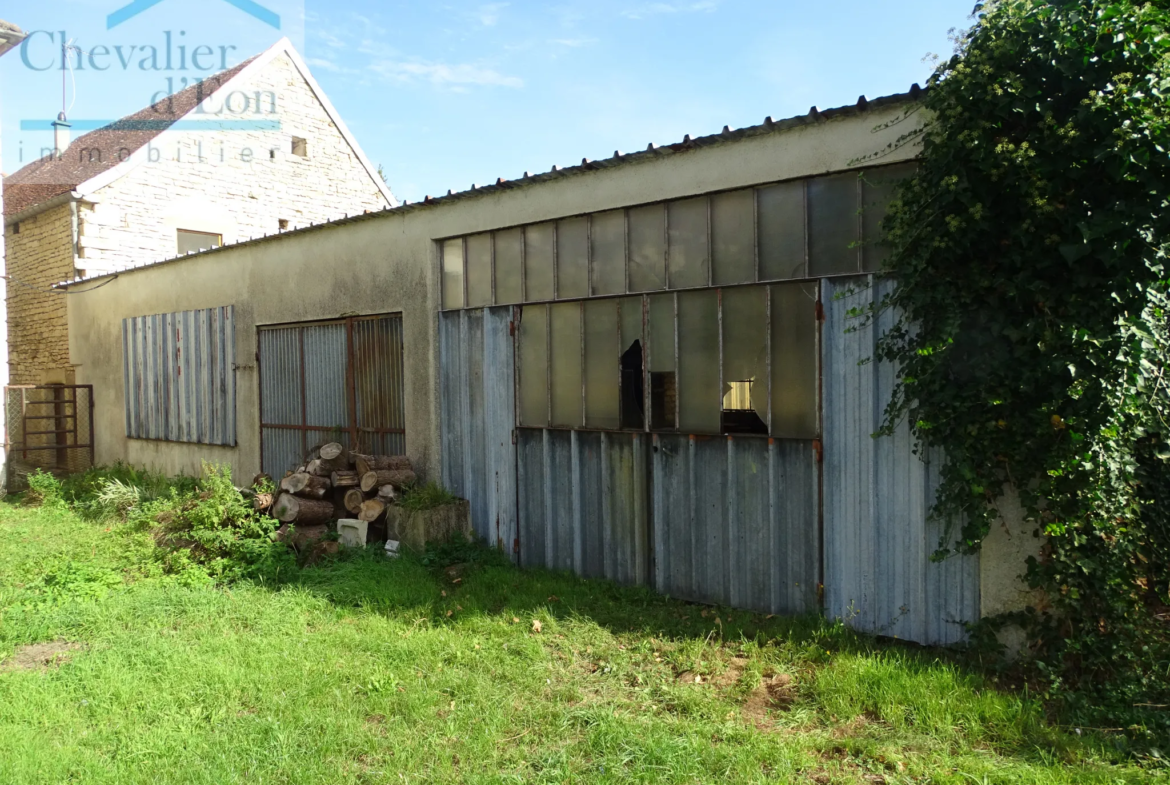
[(509, 259), (698, 359), (602, 369), (663, 376), (745, 360), (687, 259), (539, 246), (733, 237), (833, 244), (633, 386), (608, 237), (781, 230), (534, 366), (453, 273), (878, 188), (479, 270), (565, 358), (794, 361), (572, 258), (648, 248)]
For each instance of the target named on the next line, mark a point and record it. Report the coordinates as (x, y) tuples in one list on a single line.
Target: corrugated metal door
[(331, 381)]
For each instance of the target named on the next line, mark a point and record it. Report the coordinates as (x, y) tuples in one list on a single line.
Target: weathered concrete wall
[(389, 263), (39, 255)]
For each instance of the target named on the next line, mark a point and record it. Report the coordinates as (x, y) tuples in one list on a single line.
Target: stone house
[(253, 151)]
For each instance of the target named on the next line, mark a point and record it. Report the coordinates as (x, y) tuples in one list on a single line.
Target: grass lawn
[(364, 670)]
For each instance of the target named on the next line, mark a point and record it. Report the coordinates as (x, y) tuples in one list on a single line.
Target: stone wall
[(39, 254)]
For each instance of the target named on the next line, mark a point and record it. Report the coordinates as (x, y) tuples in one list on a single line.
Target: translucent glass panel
[(663, 374), (539, 252), (833, 225), (733, 237), (699, 397), (607, 237), (479, 270), (687, 259), (565, 363), (602, 365), (509, 264), (647, 248), (572, 258), (745, 360), (632, 347), (533, 352), (452, 266), (878, 188), (794, 361), (781, 231)]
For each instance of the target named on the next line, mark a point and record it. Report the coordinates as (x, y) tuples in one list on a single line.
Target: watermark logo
[(254, 9)]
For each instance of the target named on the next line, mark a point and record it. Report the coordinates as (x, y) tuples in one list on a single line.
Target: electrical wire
[(43, 290)]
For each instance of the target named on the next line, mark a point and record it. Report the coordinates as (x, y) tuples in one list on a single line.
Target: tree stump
[(306, 485), (372, 510), (303, 512), (353, 500), (364, 464), (397, 478)]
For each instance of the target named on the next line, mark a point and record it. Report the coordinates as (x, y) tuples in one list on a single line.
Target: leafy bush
[(1030, 253), (425, 497), (44, 489)]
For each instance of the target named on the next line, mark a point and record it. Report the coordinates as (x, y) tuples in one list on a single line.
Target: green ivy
[(1030, 256)]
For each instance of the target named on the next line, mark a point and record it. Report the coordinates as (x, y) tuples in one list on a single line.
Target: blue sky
[(446, 94)]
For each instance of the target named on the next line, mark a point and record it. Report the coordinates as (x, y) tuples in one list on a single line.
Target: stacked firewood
[(334, 483)]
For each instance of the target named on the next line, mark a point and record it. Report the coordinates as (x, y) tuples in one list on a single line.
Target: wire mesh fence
[(49, 428)]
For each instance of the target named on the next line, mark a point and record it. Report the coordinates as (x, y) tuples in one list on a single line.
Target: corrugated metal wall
[(180, 378), (878, 539), (477, 393), (583, 503)]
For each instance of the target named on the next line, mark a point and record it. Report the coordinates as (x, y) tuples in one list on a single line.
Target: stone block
[(415, 529), (352, 533)]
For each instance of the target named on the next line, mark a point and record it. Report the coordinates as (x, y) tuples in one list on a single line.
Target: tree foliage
[(1030, 252)]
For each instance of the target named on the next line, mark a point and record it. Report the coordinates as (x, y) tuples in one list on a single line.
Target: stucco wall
[(389, 263), (39, 255)]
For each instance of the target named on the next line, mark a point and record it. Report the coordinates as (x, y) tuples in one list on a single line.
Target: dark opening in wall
[(663, 395), (633, 388)]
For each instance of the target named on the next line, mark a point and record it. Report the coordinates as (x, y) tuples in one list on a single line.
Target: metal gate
[(331, 381), (49, 428)]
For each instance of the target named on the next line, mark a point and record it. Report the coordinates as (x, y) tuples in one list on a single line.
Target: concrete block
[(352, 532), (442, 524)]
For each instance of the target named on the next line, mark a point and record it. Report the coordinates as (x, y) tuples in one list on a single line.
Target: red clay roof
[(103, 149)]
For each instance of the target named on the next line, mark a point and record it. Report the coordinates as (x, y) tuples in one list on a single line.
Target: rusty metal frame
[(60, 416), (353, 429)]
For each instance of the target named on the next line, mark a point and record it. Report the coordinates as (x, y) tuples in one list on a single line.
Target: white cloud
[(658, 9), (489, 14), (574, 43), (320, 62), (450, 75)]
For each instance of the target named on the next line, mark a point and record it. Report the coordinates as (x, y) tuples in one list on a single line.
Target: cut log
[(353, 500), (387, 494), (324, 468), (397, 478), (262, 502), (345, 479), (303, 512), (305, 484), (375, 463), (372, 510), (334, 450)]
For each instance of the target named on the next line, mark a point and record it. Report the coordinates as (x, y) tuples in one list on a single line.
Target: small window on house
[(300, 147), (193, 242), (16, 228), (283, 223)]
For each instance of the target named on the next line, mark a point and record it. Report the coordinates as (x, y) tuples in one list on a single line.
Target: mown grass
[(365, 670)]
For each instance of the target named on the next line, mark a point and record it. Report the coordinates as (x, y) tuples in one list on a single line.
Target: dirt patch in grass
[(775, 693), (40, 656)]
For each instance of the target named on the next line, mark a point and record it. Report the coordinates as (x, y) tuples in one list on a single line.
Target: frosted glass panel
[(733, 237), (687, 262), (602, 366), (479, 270), (781, 230), (565, 356), (745, 360), (608, 237), (794, 361), (698, 357), (572, 258), (509, 259), (534, 366), (878, 188), (833, 225), (453, 273), (648, 248), (539, 247), (663, 377), (632, 348)]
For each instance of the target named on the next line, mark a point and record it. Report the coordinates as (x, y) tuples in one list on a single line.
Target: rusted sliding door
[(331, 381)]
